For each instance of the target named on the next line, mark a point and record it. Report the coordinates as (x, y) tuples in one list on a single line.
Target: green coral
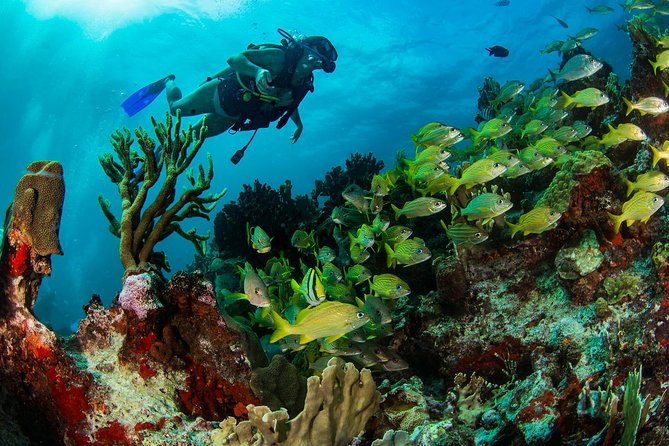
[(141, 228), (581, 163), (625, 285)]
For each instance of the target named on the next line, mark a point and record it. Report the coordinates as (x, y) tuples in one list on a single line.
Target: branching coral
[(140, 228)]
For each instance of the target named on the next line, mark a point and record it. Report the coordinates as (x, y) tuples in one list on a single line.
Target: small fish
[(479, 172), (650, 105), (535, 221), (438, 185), (355, 195), (510, 90), (342, 292), (407, 253), (258, 239), (516, 171), (492, 129), (331, 274), (638, 4), (582, 129), (578, 67), (551, 47), (364, 236), (600, 9), (485, 206), (380, 185), (430, 154), (436, 133), (359, 254), (505, 157), (661, 61), (396, 234), (425, 172), (357, 274), (302, 239), (378, 312), (380, 224), (330, 320), (652, 181), (325, 255), (629, 131), (503, 3), (254, 288), (588, 97), (534, 127), (420, 207), (340, 347), (565, 134), (463, 234), (311, 288), (389, 286), (585, 34), (497, 51), (569, 45), (561, 22), (640, 207), (548, 147)]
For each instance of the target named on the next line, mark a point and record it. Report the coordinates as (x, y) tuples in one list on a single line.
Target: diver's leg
[(198, 102), (216, 124)]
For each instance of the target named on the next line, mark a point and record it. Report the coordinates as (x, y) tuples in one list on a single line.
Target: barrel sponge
[(38, 205)]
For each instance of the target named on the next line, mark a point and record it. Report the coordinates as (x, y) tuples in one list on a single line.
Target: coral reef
[(142, 226), (336, 409)]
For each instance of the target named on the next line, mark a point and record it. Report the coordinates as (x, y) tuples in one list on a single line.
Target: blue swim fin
[(140, 99)]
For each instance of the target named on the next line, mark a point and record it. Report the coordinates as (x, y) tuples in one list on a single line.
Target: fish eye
[(496, 165), (552, 213), (477, 235), (360, 315), (655, 200), (398, 287), (419, 251), (500, 201)]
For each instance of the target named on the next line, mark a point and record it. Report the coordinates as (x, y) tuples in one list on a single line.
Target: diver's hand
[(263, 79), (296, 135)]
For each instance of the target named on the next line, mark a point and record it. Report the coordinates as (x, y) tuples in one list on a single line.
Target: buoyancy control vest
[(258, 111)]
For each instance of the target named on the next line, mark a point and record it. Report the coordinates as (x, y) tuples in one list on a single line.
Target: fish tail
[(454, 186), (552, 73), (282, 327), (654, 65), (397, 211), (391, 261), (630, 187), (248, 233), (630, 107), (514, 228), (617, 221), (294, 285), (656, 155), (567, 99)]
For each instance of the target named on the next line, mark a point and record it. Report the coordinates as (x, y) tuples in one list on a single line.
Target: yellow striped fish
[(311, 288), (330, 320), (651, 181), (463, 234), (640, 207), (479, 172), (535, 221), (389, 286)]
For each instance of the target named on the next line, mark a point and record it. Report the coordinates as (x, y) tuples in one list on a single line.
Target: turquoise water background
[(67, 66)]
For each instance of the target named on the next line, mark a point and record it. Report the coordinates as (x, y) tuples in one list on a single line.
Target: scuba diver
[(263, 84)]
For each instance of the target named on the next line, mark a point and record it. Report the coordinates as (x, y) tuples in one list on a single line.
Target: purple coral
[(138, 296)]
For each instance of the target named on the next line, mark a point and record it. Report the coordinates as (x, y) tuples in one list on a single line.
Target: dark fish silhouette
[(503, 3), (561, 22), (497, 51)]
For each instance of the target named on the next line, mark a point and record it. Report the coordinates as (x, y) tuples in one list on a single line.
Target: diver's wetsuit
[(243, 102)]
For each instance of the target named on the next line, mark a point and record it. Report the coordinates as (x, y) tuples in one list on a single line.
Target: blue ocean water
[(68, 65)]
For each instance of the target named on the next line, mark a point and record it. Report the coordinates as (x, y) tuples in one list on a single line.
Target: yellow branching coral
[(142, 227)]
